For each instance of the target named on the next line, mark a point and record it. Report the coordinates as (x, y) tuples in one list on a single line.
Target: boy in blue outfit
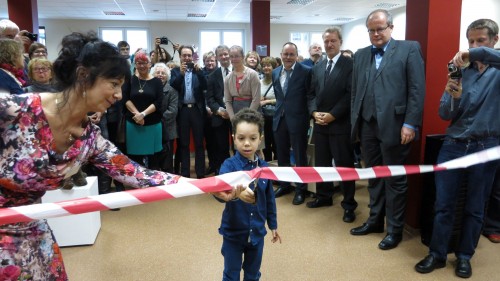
[(247, 208)]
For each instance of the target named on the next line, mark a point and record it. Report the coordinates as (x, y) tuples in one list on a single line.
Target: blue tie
[(285, 85), (328, 70)]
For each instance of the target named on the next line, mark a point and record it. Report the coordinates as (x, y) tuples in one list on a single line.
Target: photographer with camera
[(190, 82), (471, 104), (160, 53)]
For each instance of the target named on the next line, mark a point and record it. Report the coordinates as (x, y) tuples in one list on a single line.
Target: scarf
[(18, 73)]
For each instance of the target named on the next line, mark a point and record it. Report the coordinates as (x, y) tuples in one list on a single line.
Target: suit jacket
[(293, 108), (215, 95), (334, 96), (199, 84), (399, 88)]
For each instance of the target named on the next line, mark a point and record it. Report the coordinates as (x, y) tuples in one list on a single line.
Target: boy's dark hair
[(250, 116)]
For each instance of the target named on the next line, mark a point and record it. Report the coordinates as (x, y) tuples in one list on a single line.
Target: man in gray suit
[(387, 99)]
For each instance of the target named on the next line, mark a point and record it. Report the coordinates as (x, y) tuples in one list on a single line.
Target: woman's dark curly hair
[(99, 58)]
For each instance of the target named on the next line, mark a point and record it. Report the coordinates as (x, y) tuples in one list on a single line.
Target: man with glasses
[(291, 83), (388, 92), (190, 82)]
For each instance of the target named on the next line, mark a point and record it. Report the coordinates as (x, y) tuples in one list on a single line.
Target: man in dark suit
[(189, 81), (215, 101), (388, 92), (331, 88), (291, 83)]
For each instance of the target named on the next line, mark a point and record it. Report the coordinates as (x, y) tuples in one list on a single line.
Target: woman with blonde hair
[(40, 74), (11, 66), (242, 85)]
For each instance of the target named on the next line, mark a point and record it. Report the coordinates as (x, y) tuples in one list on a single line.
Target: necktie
[(328, 70), (226, 71), (379, 51), (285, 85)]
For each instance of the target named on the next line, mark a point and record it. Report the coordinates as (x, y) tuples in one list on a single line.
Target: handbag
[(268, 110), (120, 130)]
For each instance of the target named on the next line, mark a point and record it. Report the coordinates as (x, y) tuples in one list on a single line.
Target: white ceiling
[(327, 12)]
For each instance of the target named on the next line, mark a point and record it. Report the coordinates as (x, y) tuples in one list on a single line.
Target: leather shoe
[(390, 241), (280, 191), (349, 216), (463, 268), (320, 203), (298, 198), (367, 229), (428, 264)]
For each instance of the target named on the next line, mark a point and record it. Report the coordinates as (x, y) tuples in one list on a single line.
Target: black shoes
[(317, 203), (349, 216), (299, 198), (390, 241), (463, 268), (367, 229), (429, 263), (280, 191)]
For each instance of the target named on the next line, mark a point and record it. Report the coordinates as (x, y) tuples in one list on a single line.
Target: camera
[(164, 40), (32, 36), (190, 66), (455, 72)]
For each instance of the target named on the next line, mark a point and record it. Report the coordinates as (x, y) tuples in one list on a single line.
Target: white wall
[(355, 34), (477, 9), (179, 32)]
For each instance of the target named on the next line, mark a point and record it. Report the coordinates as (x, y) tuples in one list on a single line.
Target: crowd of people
[(97, 100)]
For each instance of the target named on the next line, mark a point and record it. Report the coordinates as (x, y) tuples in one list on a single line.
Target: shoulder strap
[(268, 90)]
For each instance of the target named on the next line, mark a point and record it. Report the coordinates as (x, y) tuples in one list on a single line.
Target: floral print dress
[(30, 165)]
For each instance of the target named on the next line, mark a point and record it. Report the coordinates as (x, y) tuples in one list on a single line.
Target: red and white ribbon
[(226, 182)]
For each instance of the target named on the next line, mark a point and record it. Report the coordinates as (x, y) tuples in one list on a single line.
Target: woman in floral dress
[(46, 137)]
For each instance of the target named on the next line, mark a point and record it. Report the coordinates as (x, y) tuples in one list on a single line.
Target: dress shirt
[(188, 80), (378, 56), (475, 113)]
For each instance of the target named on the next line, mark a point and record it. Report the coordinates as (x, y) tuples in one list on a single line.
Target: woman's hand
[(139, 118)]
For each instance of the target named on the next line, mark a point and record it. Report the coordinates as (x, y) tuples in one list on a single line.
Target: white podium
[(75, 229)]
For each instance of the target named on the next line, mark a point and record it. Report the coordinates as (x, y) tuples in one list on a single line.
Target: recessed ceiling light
[(193, 15), (112, 13), (385, 5), (300, 2)]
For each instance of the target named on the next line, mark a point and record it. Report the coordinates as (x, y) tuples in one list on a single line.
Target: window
[(305, 39), (210, 39), (41, 34), (136, 37)]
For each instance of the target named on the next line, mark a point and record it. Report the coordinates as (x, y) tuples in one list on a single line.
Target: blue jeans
[(479, 181), (233, 251)]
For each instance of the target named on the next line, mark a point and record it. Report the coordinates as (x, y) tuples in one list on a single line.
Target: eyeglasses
[(288, 55), (141, 63), (378, 30), (41, 69)]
